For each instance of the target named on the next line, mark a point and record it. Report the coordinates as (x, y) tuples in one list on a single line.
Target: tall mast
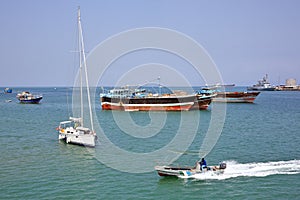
[(80, 64), (85, 69)]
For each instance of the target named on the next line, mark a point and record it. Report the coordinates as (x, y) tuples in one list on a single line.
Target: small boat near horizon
[(7, 90), (263, 85), (218, 85), (28, 98)]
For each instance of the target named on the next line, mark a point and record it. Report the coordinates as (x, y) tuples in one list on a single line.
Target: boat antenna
[(85, 69)]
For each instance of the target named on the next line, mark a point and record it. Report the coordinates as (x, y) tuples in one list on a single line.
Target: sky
[(246, 39)]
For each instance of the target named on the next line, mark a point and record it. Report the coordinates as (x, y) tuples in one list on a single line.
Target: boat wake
[(235, 169)]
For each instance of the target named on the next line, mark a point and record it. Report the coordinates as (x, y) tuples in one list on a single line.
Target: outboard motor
[(222, 165)]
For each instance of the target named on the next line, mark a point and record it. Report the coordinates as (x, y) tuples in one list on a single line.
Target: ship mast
[(85, 69), (80, 65)]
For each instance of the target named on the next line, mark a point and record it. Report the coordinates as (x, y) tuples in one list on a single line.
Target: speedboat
[(189, 171)]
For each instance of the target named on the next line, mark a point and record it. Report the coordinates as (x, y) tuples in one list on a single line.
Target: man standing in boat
[(203, 164)]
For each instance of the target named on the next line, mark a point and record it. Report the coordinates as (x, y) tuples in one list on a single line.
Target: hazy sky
[(245, 38)]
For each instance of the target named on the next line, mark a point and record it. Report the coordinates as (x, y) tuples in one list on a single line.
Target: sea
[(259, 142)]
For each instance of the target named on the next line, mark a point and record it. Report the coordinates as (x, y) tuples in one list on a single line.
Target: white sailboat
[(73, 131)]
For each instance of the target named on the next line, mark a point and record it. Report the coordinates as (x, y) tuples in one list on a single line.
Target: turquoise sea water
[(259, 142)]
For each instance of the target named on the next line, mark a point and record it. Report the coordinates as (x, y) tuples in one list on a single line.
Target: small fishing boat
[(7, 90), (28, 98), (189, 171), (74, 131)]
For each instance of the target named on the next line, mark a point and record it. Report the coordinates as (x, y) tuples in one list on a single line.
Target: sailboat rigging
[(73, 131)]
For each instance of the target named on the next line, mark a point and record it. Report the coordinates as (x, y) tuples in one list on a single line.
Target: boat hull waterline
[(32, 101)]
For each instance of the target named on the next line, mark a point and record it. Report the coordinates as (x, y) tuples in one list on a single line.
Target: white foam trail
[(235, 169)]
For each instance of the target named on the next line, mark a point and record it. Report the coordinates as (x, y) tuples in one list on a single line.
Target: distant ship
[(28, 98), (128, 99), (263, 85), (236, 97), (230, 97)]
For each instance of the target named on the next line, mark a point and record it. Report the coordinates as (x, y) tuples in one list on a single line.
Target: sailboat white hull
[(85, 140)]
